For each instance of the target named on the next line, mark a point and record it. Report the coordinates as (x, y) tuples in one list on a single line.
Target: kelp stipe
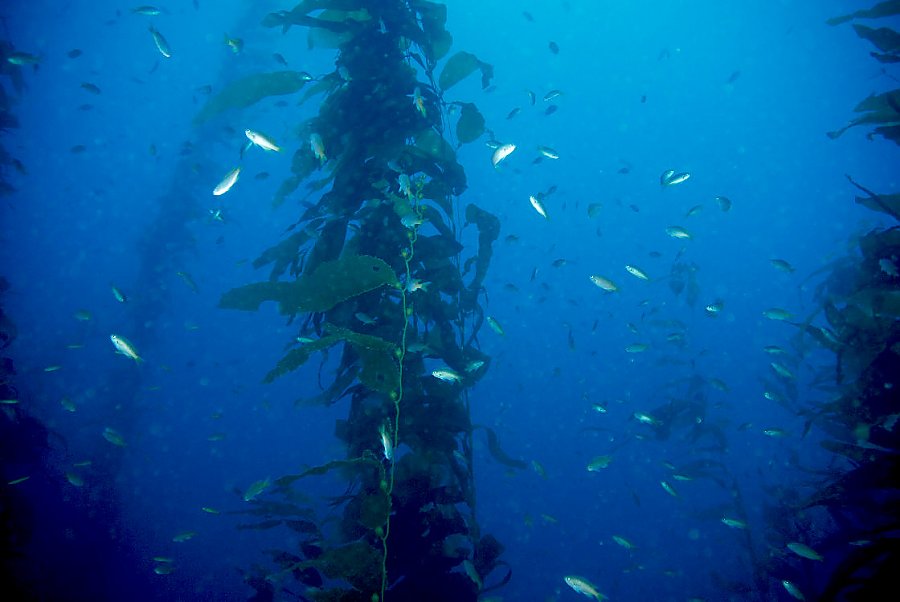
[(375, 270)]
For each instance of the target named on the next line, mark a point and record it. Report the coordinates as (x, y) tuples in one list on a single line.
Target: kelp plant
[(860, 309), (373, 268)]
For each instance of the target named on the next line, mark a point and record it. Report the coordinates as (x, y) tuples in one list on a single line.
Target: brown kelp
[(374, 269), (859, 322)]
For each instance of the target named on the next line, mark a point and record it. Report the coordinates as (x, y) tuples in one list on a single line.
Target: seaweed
[(250, 90), (368, 283)]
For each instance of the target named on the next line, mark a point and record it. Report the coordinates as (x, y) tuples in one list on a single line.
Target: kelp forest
[(373, 277)]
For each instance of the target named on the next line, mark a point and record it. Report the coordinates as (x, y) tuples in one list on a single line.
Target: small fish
[(216, 437), (552, 94), (89, 87), (236, 44), (411, 221), (792, 589), (256, 489), (280, 59), (446, 375), (694, 210), (74, 479), (262, 141), (723, 202), (668, 489), (53, 368), (774, 350), (227, 182), (674, 178), (364, 318), (419, 101), (548, 152), (604, 283), (645, 418), (474, 365), (8, 402), (583, 587), (188, 280), (715, 307), (184, 536), (163, 569), (67, 404), (513, 113), (538, 206), (387, 443), (804, 551), (209, 510), (598, 463), (678, 232), (416, 285), (599, 408), (21, 59), (17, 481), (554, 47), (774, 432), (495, 325), (161, 44), (593, 210), (636, 272), (665, 176), (118, 294), (623, 542), (74, 53), (125, 347), (782, 370), (733, 523), (781, 264), (147, 11), (777, 313), (551, 110), (501, 153), (114, 437), (318, 147)]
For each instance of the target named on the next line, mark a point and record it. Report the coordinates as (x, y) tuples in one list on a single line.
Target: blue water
[(645, 87)]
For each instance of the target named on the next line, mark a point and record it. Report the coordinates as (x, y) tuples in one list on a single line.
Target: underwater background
[(714, 423)]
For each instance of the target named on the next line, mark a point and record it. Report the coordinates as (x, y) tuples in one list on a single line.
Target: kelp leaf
[(488, 230), (470, 125), (460, 66), (331, 283), (249, 90), (358, 563), (297, 357), (282, 255), (375, 510), (250, 296), (500, 455), (380, 371), (434, 19)]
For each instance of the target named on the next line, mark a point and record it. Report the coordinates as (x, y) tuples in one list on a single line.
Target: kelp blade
[(249, 90)]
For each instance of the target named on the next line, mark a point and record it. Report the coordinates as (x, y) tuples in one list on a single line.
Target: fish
[(792, 589), (604, 283), (715, 307), (188, 280), (125, 347), (636, 272), (694, 210), (774, 350), (774, 432), (624, 542), (83, 315), (279, 59), (637, 348), (804, 551), (645, 418), (548, 152), (552, 94), (781, 370), (554, 47), (387, 443), (777, 313), (446, 375), (474, 365), (53, 368), (583, 587), (733, 523), (236, 44), (20, 59), (501, 153), (495, 325), (593, 210), (227, 182), (19, 480), (416, 285), (147, 11), (161, 44), (209, 510), (256, 488), (671, 179), (668, 489), (538, 206), (67, 404), (114, 437), (514, 112), (782, 265), (262, 141), (419, 101), (598, 463), (92, 88), (532, 98), (678, 232), (723, 202), (184, 536), (75, 479), (665, 176), (599, 408), (118, 294), (318, 147), (411, 221), (364, 318), (8, 402)]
